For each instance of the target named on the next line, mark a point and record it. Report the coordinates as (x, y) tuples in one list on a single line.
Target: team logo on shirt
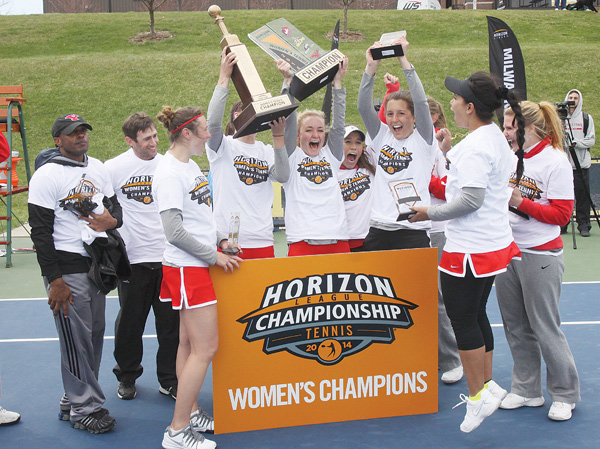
[(139, 188), (393, 161), (315, 171), (79, 199), (527, 186), (354, 187), (201, 191), (251, 170), (328, 317)]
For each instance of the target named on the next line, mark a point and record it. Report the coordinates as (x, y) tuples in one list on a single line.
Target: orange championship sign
[(317, 339)]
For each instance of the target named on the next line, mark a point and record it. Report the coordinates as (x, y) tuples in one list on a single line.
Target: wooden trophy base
[(258, 114)]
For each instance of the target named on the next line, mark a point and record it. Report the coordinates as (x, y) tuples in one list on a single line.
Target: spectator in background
[(580, 127)]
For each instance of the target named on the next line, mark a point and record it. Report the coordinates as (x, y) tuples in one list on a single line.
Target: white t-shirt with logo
[(546, 176), (357, 192), (142, 230), (182, 186), (314, 208), (241, 184), (405, 163), (483, 159), (58, 187)]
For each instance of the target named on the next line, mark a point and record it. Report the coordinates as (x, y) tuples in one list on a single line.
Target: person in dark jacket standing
[(63, 195)]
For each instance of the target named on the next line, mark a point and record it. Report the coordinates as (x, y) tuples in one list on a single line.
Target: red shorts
[(187, 287), (304, 249), (482, 264), (256, 253), (355, 243)]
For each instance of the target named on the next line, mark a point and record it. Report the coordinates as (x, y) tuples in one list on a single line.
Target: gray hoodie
[(582, 142)]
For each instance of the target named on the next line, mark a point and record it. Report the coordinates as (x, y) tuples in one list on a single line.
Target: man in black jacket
[(63, 193)]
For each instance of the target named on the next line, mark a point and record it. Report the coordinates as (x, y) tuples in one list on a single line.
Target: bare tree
[(152, 6), (345, 4)]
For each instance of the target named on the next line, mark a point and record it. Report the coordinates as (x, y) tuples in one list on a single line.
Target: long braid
[(513, 101)]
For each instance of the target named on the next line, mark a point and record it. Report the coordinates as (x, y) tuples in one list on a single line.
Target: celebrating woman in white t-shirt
[(184, 202), (529, 292), (242, 171), (315, 220), (479, 242), (355, 178), (405, 149)]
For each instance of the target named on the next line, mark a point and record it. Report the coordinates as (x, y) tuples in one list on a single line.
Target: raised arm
[(423, 119), (280, 171), (216, 107), (365, 95), (335, 140), (290, 132)]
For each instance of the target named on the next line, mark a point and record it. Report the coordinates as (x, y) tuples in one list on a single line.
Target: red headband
[(189, 121)]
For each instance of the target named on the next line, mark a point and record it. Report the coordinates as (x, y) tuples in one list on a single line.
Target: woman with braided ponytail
[(479, 242), (529, 291)]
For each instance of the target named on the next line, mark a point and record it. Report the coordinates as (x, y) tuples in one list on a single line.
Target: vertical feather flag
[(506, 59)]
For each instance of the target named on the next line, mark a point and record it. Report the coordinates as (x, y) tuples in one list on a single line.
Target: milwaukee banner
[(317, 339), (506, 59)]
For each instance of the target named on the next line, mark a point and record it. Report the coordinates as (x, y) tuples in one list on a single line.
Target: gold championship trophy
[(259, 107)]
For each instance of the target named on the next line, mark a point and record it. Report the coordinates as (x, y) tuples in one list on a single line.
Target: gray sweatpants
[(528, 295), (448, 357), (81, 337)]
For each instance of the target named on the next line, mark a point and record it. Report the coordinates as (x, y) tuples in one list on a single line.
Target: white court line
[(111, 337), (116, 297), (32, 340), (39, 299)]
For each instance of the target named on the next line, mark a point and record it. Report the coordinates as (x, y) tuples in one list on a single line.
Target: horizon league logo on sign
[(328, 317)]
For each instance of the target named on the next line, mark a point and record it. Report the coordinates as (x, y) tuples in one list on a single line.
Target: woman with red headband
[(185, 205), (529, 292), (242, 170)]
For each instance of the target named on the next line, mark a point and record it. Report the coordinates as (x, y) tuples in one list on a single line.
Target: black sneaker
[(585, 232), (127, 390), (97, 422), (169, 391)]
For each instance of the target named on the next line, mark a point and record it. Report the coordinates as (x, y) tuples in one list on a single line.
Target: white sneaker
[(496, 390), (7, 418), (186, 438), (512, 401), (453, 375), (202, 422), (561, 411), (477, 411)]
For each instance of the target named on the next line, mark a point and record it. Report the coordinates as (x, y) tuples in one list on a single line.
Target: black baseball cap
[(463, 88), (66, 124)]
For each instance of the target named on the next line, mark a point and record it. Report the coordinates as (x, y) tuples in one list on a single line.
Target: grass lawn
[(84, 63)]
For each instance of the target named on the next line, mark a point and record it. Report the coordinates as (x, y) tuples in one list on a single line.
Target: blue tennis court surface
[(29, 357)]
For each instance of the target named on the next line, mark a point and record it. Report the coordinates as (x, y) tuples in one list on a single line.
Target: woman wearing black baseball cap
[(479, 242)]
